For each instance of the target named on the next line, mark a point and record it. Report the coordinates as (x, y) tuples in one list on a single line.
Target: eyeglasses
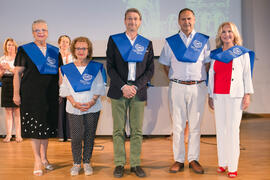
[(78, 49), (40, 30)]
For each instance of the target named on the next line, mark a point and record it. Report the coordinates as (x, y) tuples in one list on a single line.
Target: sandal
[(7, 139), (221, 169), (232, 174), (38, 172), (48, 166), (19, 139)]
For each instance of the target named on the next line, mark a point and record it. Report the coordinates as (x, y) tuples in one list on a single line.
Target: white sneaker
[(74, 171), (88, 170)]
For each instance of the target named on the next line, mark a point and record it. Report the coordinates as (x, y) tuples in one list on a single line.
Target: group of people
[(42, 74)]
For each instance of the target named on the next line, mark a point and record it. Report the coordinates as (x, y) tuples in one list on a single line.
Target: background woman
[(7, 72), (230, 86), (64, 42), (36, 90), (82, 84)]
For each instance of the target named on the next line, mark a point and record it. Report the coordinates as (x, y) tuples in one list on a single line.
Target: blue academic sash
[(45, 64), (83, 82), (128, 52), (190, 54), (234, 52)]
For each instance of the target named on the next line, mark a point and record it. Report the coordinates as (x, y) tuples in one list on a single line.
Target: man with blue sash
[(36, 91), (130, 66), (184, 59)]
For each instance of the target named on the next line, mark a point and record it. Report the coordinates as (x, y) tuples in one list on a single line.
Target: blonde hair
[(61, 37), (237, 38), (5, 45), (82, 39)]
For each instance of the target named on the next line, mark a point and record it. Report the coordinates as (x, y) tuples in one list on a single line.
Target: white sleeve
[(166, 55), (211, 79), (98, 86), (64, 90), (248, 86)]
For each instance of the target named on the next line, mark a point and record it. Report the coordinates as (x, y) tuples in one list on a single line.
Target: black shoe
[(118, 171), (138, 171)]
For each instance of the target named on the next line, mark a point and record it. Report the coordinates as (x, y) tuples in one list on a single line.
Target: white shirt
[(97, 88), (131, 65), (67, 60), (3, 60), (183, 70)]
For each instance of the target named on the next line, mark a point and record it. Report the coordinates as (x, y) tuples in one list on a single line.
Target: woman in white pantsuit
[(230, 86)]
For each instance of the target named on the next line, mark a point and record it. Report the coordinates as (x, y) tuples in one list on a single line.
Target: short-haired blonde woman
[(36, 90), (7, 72), (82, 83), (230, 86)]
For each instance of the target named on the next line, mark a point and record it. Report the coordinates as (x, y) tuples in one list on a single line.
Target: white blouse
[(97, 88), (4, 59), (67, 60)]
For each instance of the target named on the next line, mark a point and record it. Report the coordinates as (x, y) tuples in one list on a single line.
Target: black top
[(39, 99)]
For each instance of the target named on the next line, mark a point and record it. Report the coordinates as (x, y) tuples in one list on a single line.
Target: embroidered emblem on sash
[(196, 45), (51, 62), (138, 49), (237, 51), (86, 78)]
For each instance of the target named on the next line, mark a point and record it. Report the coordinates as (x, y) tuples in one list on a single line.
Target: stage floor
[(16, 159)]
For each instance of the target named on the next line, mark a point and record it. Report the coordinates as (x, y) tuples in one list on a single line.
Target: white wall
[(256, 28)]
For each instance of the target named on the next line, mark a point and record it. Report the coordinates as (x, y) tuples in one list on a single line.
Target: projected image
[(209, 15), (152, 24), (98, 19)]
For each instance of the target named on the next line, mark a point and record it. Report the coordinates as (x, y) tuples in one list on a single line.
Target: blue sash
[(128, 52), (190, 54), (83, 82), (45, 65), (234, 52)]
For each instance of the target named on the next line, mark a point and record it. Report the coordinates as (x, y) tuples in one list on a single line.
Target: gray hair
[(38, 22)]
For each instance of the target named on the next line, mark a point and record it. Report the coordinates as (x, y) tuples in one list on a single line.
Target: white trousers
[(186, 104), (228, 114)]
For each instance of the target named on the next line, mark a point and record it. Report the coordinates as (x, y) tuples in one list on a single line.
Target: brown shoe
[(197, 168), (176, 167)]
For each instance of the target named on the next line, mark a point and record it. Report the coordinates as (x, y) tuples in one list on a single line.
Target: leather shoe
[(138, 171), (176, 167), (197, 168), (118, 171)]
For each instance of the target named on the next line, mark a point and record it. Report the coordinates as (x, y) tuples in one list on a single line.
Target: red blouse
[(222, 77)]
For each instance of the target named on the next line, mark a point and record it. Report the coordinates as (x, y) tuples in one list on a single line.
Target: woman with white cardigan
[(230, 86)]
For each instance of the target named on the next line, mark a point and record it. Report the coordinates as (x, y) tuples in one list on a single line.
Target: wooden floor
[(16, 159)]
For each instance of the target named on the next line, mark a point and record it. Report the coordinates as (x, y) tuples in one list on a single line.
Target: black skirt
[(7, 92)]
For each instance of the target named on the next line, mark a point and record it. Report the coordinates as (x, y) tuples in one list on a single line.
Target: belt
[(186, 82)]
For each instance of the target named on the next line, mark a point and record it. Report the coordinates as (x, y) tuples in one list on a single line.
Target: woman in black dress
[(6, 72), (36, 91)]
